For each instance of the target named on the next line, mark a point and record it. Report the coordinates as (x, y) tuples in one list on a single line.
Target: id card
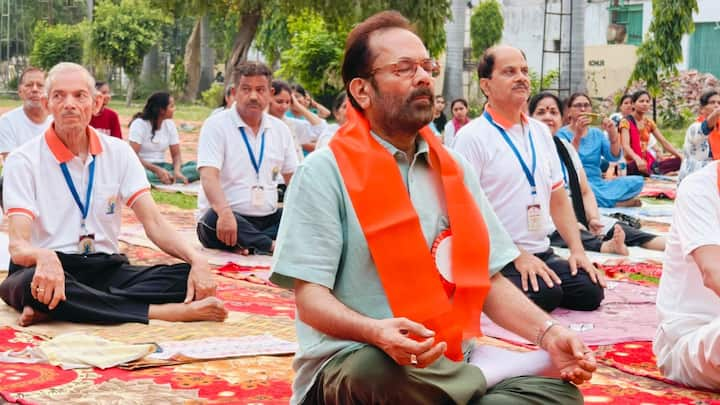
[(257, 196), (86, 244), (534, 215)]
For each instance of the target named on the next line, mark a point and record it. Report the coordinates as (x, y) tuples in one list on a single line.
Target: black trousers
[(576, 292), (256, 233), (101, 288), (633, 237)]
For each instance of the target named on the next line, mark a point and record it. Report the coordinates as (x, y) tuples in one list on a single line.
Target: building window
[(629, 16)]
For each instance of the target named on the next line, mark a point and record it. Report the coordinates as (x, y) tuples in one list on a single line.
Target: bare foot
[(242, 251), (29, 316), (208, 309), (617, 243), (633, 202)]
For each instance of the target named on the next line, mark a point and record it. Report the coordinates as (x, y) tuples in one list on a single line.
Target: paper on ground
[(224, 347)]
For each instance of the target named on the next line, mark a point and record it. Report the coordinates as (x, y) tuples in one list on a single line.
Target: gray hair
[(63, 67)]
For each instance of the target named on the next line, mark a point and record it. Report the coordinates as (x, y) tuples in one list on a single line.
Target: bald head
[(505, 78), (68, 67), (487, 61)]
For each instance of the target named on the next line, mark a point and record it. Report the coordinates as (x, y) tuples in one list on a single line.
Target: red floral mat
[(632, 377), (640, 273), (256, 380)]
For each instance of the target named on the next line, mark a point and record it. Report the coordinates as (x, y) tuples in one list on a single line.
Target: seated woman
[(152, 132), (598, 233), (636, 130), (308, 102), (592, 145), (106, 121), (459, 109), (439, 119), (624, 108), (305, 131), (227, 101), (338, 110), (702, 136)]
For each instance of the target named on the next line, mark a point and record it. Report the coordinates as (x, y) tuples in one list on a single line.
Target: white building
[(525, 20)]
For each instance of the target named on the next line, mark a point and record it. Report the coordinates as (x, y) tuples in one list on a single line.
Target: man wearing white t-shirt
[(65, 191), (519, 170), (687, 341), (21, 124), (243, 153)]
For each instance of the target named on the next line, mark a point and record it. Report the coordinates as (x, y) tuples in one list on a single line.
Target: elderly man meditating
[(63, 195)]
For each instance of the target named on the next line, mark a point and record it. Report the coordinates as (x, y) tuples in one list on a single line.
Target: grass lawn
[(183, 112), (675, 136), (179, 200)]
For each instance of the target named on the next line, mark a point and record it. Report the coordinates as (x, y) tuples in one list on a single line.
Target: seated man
[(688, 301), (63, 196), (21, 124), (375, 325), (518, 167), (242, 154)]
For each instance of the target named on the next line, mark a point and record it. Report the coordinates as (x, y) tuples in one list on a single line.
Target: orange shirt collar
[(502, 121), (62, 153)]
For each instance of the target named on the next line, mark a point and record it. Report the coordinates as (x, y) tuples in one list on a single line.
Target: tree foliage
[(314, 56), (429, 16), (56, 43), (662, 49), (123, 33), (486, 26)]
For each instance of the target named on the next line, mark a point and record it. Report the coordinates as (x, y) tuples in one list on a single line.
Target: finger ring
[(413, 360), (40, 289)]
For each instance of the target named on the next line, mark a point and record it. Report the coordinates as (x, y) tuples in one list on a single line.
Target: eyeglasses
[(406, 68), (581, 105)]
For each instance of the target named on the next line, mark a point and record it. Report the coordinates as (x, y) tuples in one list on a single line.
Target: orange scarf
[(392, 229), (713, 140)]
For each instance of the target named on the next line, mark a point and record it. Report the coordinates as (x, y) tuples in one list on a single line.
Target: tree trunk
[(192, 64), (150, 74), (207, 55), (455, 45), (249, 22), (130, 90), (577, 47)]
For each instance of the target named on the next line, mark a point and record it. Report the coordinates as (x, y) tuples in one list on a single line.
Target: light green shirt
[(320, 241)]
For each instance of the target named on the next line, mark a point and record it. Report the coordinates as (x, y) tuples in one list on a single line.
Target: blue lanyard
[(565, 179), (256, 163), (84, 209), (530, 175)]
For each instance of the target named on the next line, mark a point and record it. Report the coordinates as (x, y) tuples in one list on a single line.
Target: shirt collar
[(421, 147), (62, 153), (238, 121), (500, 120)]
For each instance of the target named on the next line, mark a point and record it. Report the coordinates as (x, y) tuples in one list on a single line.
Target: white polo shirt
[(683, 302), (153, 148), (502, 177), (16, 129), (221, 146), (34, 186)]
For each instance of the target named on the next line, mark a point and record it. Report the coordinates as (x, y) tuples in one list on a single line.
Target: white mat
[(637, 255), (135, 235)]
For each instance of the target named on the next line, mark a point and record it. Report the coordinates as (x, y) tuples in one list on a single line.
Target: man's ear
[(485, 86), (360, 90)]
